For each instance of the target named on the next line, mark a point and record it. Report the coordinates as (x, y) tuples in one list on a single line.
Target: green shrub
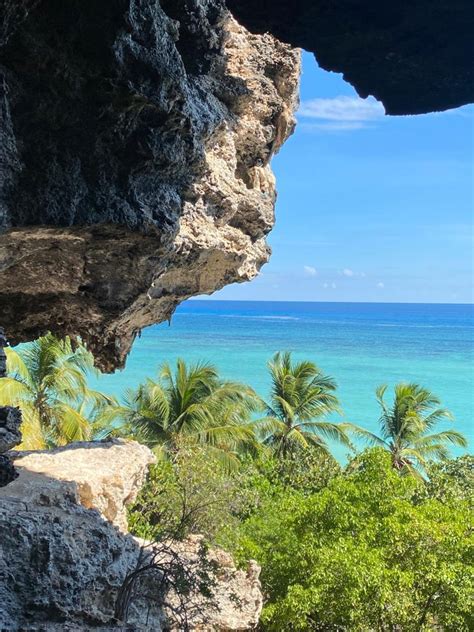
[(362, 554), (189, 493)]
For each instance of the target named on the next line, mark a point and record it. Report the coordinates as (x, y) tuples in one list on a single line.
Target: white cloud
[(342, 108), (347, 272), (363, 275), (380, 284), (334, 286), (342, 113), (333, 126), (325, 285), (310, 271)]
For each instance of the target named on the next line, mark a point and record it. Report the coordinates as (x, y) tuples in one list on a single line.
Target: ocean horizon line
[(232, 300)]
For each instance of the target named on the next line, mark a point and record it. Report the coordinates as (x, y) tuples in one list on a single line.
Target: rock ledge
[(63, 563)]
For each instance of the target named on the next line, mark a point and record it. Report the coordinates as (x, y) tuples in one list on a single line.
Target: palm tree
[(48, 381), (406, 425), (190, 403), (300, 396)]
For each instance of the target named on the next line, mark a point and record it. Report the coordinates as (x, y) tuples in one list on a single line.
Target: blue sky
[(370, 208)]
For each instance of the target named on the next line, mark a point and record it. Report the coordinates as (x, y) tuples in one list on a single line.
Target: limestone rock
[(59, 562), (10, 421), (62, 564), (105, 476), (134, 155), (414, 56)]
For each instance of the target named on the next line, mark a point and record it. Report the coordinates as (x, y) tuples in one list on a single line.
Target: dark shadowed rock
[(415, 56), (10, 435), (134, 151), (64, 551), (3, 356), (7, 471), (136, 136)]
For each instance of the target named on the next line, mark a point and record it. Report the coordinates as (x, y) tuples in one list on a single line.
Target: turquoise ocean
[(361, 345)]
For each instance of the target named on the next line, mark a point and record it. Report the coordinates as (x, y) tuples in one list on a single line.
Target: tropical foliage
[(301, 396), (363, 553), (190, 402), (48, 381), (406, 428), (361, 548), (189, 493)]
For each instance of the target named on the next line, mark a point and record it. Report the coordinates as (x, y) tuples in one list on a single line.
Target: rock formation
[(63, 563), (413, 56), (102, 476), (136, 135), (135, 140)]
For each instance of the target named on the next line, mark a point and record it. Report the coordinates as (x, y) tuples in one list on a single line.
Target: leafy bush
[(190, 493), (362, 554), (452, 480)]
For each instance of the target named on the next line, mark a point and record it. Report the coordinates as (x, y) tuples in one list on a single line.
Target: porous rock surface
[(10, 421), (136, 135), (413, 55), (103, 476), (62, 563), (135, 140)]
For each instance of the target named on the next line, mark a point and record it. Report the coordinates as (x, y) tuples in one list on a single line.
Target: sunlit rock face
[(65, 552), (413, 56), (135, 140), (136, 135)]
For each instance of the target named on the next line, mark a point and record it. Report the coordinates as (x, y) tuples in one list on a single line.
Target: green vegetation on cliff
[(384, 543)]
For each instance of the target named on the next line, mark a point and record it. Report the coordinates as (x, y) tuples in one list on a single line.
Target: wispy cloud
[(350, 274), (380, 284), (332, 126), (310, 271), (342, 113)]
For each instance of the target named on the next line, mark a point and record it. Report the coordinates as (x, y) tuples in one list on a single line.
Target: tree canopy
[(301, 397), (364, 553), (190, 402)]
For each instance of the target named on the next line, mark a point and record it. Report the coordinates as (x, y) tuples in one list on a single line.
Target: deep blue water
[(362, 345)]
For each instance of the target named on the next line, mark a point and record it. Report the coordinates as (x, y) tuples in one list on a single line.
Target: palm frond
[(33, 435), (17, 367), (446, 436), (13, 392), (362, 433), (71, 425), (328, 430)]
